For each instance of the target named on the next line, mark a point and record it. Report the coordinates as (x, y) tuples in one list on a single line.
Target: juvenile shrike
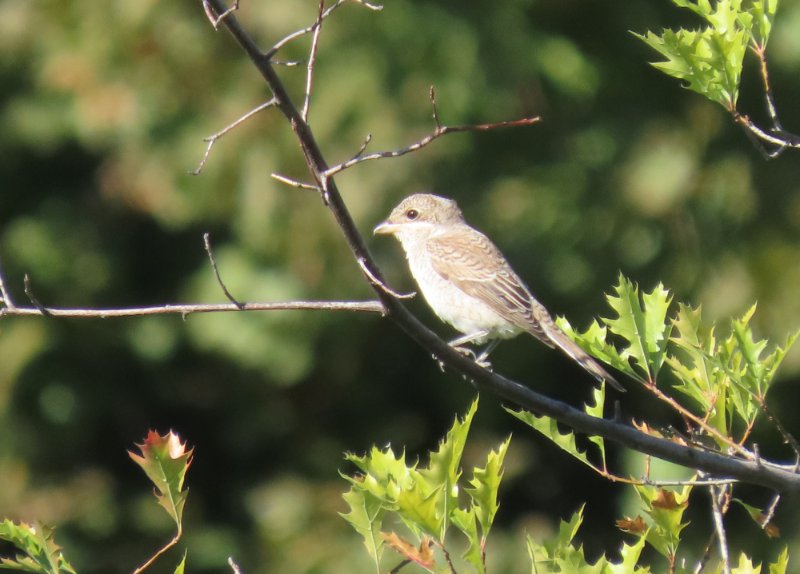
[(469, 284)]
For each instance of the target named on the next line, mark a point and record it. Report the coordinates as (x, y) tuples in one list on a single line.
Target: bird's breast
[(452, 305)]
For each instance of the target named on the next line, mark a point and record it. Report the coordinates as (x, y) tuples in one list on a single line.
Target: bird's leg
[(482, 358), (458, 345)]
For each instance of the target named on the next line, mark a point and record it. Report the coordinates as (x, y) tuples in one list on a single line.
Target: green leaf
[(594, 341), (630, 557), (595, 409), (549, 428), (366, 517), (484, 486), (38, 550), (781, 562), (694, 367), (763, 16), (641, 324), (665, 509), (467, 522), (181, 567), (745, 566), (443, 469), (165, 460), (710, 59)]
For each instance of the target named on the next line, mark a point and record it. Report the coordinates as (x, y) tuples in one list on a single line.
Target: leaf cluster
[(725, 377), (428, 499), (709, 59)]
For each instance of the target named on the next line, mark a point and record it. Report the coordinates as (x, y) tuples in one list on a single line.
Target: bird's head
[(421, 214)]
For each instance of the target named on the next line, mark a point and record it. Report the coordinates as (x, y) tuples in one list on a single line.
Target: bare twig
[(212, 16), (718, 496), (690, 482), (689, 415), (438, 131), (234, 566), (294, 182), (29, 292), (161, 551), (400, 566), (787, 437), (212, 139), (381, 284), (302, 32), (6, 303), (312, 59), (213, 261), (185, 309)]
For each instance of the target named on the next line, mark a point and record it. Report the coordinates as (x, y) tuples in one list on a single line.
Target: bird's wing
[(471, 261)]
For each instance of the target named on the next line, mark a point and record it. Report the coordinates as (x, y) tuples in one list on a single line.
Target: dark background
[(103, 108)]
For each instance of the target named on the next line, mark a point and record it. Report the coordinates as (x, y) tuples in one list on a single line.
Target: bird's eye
[(412, 214)]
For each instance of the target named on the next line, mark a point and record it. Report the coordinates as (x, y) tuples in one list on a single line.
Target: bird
[(470, 285)]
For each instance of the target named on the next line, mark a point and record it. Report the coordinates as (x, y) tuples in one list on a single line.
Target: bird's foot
[(481, 359)]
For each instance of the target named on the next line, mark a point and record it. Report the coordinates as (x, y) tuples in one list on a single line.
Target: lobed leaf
[(165, 460), (38, 550), (642, 324)]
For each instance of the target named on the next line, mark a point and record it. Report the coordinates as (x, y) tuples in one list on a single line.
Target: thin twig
[(382, 285), (718, 494), (769, 100), (234, 566), (294, 182), (287, 63), (212, 139), (213, 18), (161, 551), (690, 482), (5, 296), (400, 566), (787, 437), (186, 309), (312, 59), (447, 558), (302, 32), (207, 243), (438, 131), (29, 292), (686, 413)]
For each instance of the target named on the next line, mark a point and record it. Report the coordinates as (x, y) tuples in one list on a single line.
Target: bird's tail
[(580, 356)]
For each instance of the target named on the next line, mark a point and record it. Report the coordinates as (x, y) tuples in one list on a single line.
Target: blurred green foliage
[(104, 107)]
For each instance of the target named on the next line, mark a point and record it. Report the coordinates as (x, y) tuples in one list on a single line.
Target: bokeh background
[(103, 107)]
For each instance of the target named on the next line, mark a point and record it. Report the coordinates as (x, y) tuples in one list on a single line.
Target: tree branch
[(716, 464), (185, 309)]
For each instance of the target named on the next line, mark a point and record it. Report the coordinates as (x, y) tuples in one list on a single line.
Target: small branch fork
[(212, 139), (438, 131), (775, 136)]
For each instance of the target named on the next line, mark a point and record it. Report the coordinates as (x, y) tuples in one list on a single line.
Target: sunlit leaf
[(642, 324), (165, 460), (366, 517), (549, 428), (37, 551)]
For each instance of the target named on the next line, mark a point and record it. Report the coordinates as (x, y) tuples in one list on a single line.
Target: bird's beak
[(385, 228)]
